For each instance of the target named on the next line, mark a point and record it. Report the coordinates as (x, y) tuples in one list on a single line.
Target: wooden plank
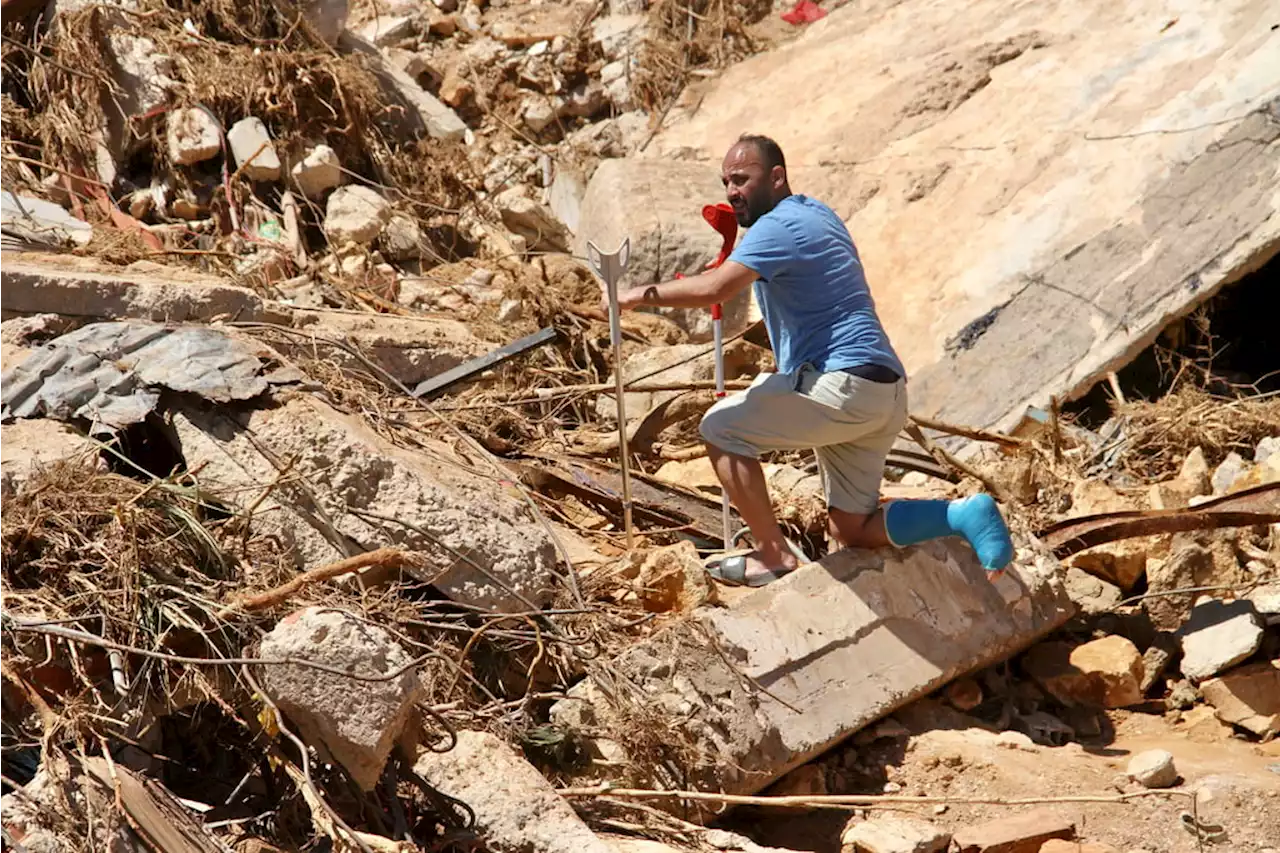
[(153, 813), (439, 383), (654, 503)]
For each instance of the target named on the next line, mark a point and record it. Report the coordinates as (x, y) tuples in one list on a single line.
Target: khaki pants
[(850, 423)]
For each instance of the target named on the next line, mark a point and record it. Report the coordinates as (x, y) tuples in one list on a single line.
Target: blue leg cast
[(976, 518)]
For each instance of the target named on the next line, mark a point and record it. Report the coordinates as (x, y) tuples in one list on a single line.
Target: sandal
[(733, 571)]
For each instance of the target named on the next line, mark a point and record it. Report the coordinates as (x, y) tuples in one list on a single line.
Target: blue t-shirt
[(811, 290)]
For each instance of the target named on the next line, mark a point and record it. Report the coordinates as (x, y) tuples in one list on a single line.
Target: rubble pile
[(313, 520)]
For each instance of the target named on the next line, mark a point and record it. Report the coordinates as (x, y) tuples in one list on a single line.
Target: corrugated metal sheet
[(112, 374)]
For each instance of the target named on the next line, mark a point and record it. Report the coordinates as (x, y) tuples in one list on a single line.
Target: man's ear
[(778, 176)]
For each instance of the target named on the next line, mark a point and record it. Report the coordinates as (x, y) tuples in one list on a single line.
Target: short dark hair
[(770, 152)]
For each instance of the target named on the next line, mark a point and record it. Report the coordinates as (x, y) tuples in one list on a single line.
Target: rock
[(531, 220), (565, 194), (385, 30), (1182, 695), (665, 226), (327, 17), (401, 238), (516, 809), (1266, 598), (669, 579), (456, 90), (317, 172), (620, 36), (358, 722), (893, 834), (1120, 563), (1218, 636), (1018, 833), (943, 263), (1153, 769), (355, 214), (584, 101), (946, 620), (1268, 447), (1226, 474), (413, 64), (537, 113), (193, 136), (519, 25), (440, 510), (1190, 565), (510, 311), (1248, 697), (1193, 481), (1091, 594), (41, 222), (249, 139), (1103, 673), (1155, 660), (423, 112)]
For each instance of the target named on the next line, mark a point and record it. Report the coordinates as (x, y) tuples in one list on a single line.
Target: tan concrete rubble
[(774, 680)]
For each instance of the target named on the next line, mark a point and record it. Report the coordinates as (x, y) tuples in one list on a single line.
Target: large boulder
[(658, 206), (1031, 207), (1248, 696)]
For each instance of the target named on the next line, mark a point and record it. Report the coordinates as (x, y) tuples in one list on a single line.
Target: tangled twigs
[(382, 558)]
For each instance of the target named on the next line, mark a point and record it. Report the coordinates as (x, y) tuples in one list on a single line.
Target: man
[(840, 388)]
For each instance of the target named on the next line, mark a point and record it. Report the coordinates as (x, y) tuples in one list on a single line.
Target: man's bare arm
[(699, 291)]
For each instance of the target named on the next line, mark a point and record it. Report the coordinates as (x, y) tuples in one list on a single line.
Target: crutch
[(721, 218), (610, 268)]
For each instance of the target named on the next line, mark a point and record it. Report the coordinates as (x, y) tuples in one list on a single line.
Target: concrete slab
[(816, 656), (74, 290), (1031, 207)]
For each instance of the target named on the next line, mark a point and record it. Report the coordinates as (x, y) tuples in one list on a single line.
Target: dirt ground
[(942, 753)]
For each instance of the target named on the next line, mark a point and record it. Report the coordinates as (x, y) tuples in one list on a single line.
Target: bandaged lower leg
[(976, 518)]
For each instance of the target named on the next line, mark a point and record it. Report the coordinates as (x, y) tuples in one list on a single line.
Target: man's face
[(748, 185)]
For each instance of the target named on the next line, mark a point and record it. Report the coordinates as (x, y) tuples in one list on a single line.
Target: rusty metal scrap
[(1260, 505)]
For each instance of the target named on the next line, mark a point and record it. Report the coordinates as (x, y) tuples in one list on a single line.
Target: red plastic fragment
[(804, 12)]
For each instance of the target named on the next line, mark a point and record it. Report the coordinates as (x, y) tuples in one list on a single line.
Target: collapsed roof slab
[(1032, 206), (791, 669)]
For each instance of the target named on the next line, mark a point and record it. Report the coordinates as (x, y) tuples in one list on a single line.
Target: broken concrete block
[(1189, 565), (1091, 593), (538, 112), (352, 487), (358, 722), (355, 214), (413, 64), (1248, 697), (423, 113), (1193, 480), (327, 17), (894, 626), (455, 89), (251, 145), (194, 136), (893, 834), (1218, 636), (385, 30), (30, 445), (531, 220), (319, 171), (1266, 598), (516, 809), (619, 36), (1121, 563), (1153, 769), (1020, 833), (74, 291), (1104, 673)]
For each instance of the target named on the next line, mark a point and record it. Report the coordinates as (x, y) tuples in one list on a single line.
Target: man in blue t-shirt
[(839, 389)]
